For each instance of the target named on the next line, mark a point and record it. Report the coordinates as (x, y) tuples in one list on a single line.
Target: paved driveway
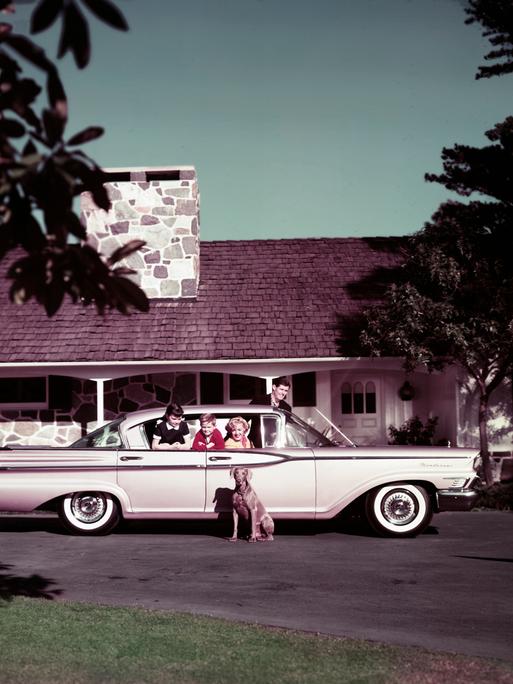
[(449, 589)]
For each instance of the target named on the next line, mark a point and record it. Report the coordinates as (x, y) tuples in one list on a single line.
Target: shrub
[(413, 431), (497, 496)]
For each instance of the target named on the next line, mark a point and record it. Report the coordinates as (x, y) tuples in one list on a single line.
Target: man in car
[(172, 432)]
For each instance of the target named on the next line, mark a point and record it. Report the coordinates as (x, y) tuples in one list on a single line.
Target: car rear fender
[(350, 496), (27, 496)]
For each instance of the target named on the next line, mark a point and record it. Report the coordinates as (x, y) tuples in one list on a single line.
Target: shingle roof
[(257, 299)]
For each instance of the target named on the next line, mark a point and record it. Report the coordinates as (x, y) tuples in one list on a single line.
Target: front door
[(357, 407), (163, 481), (285, 483)]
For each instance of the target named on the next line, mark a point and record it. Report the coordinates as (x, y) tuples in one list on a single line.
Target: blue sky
[(302, 117)]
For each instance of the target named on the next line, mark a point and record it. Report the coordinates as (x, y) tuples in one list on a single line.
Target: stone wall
[(61, 427), (161, 207)]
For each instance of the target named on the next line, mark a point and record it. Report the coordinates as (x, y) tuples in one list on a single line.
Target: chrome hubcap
[(88, 508), (399, 507)]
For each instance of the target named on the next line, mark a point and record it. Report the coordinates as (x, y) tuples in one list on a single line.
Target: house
[(225, 318)]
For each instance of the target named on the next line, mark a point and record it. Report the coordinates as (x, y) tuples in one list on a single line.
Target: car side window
[(193, 423), (295, 435), (136, 437), (300, 434), (106, 436), (270, 431), (149, 429)]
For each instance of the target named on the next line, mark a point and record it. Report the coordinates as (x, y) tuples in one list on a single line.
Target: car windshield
[(300, 434), (107, 436)]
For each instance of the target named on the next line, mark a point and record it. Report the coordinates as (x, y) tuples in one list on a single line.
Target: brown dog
[(247, 504)]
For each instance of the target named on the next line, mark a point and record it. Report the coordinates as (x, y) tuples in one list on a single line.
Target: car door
[(283, 478), (160, 482)]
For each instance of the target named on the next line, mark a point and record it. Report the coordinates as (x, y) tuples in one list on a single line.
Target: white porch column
[(268, 385), (100, 404)]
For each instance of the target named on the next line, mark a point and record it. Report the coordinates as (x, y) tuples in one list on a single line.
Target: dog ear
[(232, 472), (249, 474)]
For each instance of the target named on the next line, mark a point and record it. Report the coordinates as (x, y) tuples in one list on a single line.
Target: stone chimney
[(159, 205)]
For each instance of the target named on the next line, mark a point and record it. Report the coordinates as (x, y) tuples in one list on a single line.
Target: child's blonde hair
[(238, 420)]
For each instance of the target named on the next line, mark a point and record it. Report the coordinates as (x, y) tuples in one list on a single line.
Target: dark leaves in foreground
[(75, 270), (74, 36), (40, 180)]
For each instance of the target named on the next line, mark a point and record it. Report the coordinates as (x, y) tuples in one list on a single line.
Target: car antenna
[(335, 427)]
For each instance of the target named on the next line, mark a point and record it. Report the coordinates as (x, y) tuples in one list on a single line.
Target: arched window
[(358, 404), (346, 397), (370, 397)]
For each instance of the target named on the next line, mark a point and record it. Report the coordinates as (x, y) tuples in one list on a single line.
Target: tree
[(496, 17), (41, 173), (453, 302)]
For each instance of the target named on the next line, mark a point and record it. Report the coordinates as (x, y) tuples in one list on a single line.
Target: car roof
[(219, 410)]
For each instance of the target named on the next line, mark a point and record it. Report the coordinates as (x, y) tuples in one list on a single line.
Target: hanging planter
[(406, 391)]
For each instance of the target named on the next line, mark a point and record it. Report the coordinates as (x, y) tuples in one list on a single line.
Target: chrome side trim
[(114, 468), (278, 460)]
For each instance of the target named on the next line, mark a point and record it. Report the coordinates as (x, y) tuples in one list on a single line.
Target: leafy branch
[(42, 172)]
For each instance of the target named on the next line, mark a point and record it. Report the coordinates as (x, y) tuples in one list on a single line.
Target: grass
[(44, 642)]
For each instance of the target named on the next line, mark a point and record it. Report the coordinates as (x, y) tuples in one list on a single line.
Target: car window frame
[(114, 425)]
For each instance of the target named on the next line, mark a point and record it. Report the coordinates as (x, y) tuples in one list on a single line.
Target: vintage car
[(297, 472)]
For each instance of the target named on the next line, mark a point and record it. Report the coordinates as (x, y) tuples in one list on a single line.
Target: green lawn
[(51, 642)]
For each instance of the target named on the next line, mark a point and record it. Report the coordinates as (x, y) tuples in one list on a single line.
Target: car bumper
[(455, 500)]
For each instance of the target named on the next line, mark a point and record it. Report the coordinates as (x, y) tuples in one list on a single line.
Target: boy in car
[(209, 436)]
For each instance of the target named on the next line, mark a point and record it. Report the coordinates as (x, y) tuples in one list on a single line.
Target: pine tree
[(453, 302)]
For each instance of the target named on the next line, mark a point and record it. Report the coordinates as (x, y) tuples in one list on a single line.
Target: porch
[(361, 396)]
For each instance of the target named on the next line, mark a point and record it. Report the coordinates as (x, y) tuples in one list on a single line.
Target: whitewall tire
[(89, 512), (398, 510)]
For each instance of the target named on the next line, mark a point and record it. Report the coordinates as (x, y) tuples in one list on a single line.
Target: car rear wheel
[(399, 510), (89, 512)]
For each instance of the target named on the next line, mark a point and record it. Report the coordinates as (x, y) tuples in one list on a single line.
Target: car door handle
[(219, 458), (130, 458)]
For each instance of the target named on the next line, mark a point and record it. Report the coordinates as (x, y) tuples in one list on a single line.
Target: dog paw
[(252, 540), (231, 539)]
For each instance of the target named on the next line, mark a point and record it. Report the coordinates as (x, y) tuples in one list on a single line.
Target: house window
[(370, 397), (246, 387), (211, 388), (346, 398), (24, 392), (304, 389), (358, 398)]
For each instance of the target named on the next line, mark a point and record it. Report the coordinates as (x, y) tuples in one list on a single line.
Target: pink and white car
[(299, 473)]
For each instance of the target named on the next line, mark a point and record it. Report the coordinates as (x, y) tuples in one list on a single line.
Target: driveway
[(449, 589)]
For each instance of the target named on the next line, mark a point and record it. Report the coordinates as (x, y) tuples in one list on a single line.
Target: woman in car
[(237, 434)]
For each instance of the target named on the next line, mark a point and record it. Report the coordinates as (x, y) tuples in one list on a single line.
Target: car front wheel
[(399, 510), (89, 512)]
